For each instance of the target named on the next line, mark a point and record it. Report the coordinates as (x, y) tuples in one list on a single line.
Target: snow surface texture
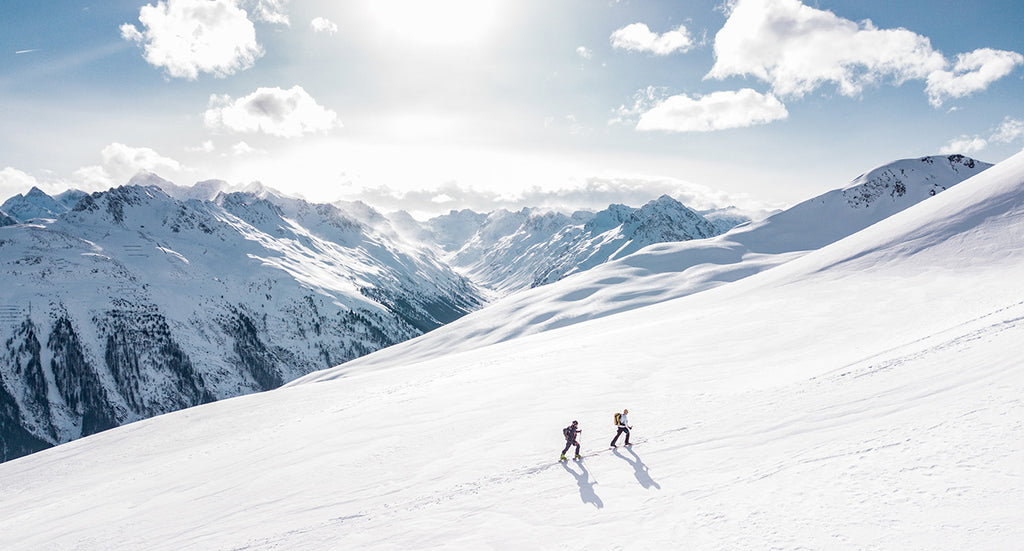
[(867, 395), (671, 270)]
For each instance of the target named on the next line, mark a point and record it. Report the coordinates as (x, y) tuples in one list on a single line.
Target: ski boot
[(562, 458), (578, 456)]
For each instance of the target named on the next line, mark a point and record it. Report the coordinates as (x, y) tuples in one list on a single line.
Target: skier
[(623, 425), (570, 433)]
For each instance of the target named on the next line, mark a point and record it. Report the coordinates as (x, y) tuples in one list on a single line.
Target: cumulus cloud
[(965, 145), (322, 25), (797, 49), (14, 181), (643, 100), (122, 158), (267, 11), (1009, 131), (120, 163), (285, 113), (715, 111), (188, 37), (205, 147), (242, 148), (972, 72), (584, 52), (637, 37)]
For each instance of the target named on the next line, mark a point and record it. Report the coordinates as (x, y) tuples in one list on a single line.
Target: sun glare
[(435, 22)]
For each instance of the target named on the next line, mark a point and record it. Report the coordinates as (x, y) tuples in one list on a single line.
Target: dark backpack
[(617, 417), (567, 432)]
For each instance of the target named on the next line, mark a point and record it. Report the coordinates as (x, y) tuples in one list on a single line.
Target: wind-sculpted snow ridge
[(875, 382), (134, 304), (666, 271)]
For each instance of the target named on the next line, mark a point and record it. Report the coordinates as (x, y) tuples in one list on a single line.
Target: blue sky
[(433, 105)]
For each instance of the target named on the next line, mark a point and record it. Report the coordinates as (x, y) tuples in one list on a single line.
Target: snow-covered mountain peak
[(664, 220), (33, 204), (921, 177), (130, 205), (507, 251)]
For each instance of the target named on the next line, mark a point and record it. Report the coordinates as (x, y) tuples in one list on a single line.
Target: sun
[(435, 22)]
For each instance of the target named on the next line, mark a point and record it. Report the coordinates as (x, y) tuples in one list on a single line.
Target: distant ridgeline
[(150, 298)]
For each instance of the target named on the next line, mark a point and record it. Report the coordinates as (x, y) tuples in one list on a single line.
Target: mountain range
[(132, 304), (152, 297), (862, 394)]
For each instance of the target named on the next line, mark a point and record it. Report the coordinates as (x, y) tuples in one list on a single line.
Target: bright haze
[(432, 106)]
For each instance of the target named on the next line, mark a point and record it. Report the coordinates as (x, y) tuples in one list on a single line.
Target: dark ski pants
[(569, 443), (617, 434)]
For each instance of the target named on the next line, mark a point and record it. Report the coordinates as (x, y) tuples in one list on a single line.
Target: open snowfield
[(868, 395)]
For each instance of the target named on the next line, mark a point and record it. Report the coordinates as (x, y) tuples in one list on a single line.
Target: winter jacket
[(573, 431)]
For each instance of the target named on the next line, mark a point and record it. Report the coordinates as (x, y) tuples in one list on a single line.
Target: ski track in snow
[(596, 465)]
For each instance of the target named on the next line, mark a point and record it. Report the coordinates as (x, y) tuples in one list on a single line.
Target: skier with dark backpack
[(570, 433), (623, 425)]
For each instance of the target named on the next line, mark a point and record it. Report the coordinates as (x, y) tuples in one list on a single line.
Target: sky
[(436, 105)]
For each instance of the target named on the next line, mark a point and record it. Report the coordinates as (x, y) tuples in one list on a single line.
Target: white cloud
[(323, 25), (797, 49), (242, 148), (188, 37), (284, 113), (1009, 131), (94, 178), (972, 72), (643, 100), (267, 11), (205, 147), (14, 181), (715, 111), (12, 177), (584, 52), (637, 37), (964, 145), (122, 162)]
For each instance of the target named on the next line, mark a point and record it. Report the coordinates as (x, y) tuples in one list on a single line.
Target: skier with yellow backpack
[(623, 425)]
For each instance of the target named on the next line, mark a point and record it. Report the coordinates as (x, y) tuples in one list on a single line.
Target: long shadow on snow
[(587, 493), (640, 470)]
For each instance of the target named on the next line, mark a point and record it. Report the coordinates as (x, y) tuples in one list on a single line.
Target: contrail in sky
[(26, 51)]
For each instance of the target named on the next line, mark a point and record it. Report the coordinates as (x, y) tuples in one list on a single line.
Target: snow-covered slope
[(509, 251), (665, 271), (864, 396), (135, 304)]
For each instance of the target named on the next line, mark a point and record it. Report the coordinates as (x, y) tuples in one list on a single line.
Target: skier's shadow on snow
[(587, 493), (640, 471)]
